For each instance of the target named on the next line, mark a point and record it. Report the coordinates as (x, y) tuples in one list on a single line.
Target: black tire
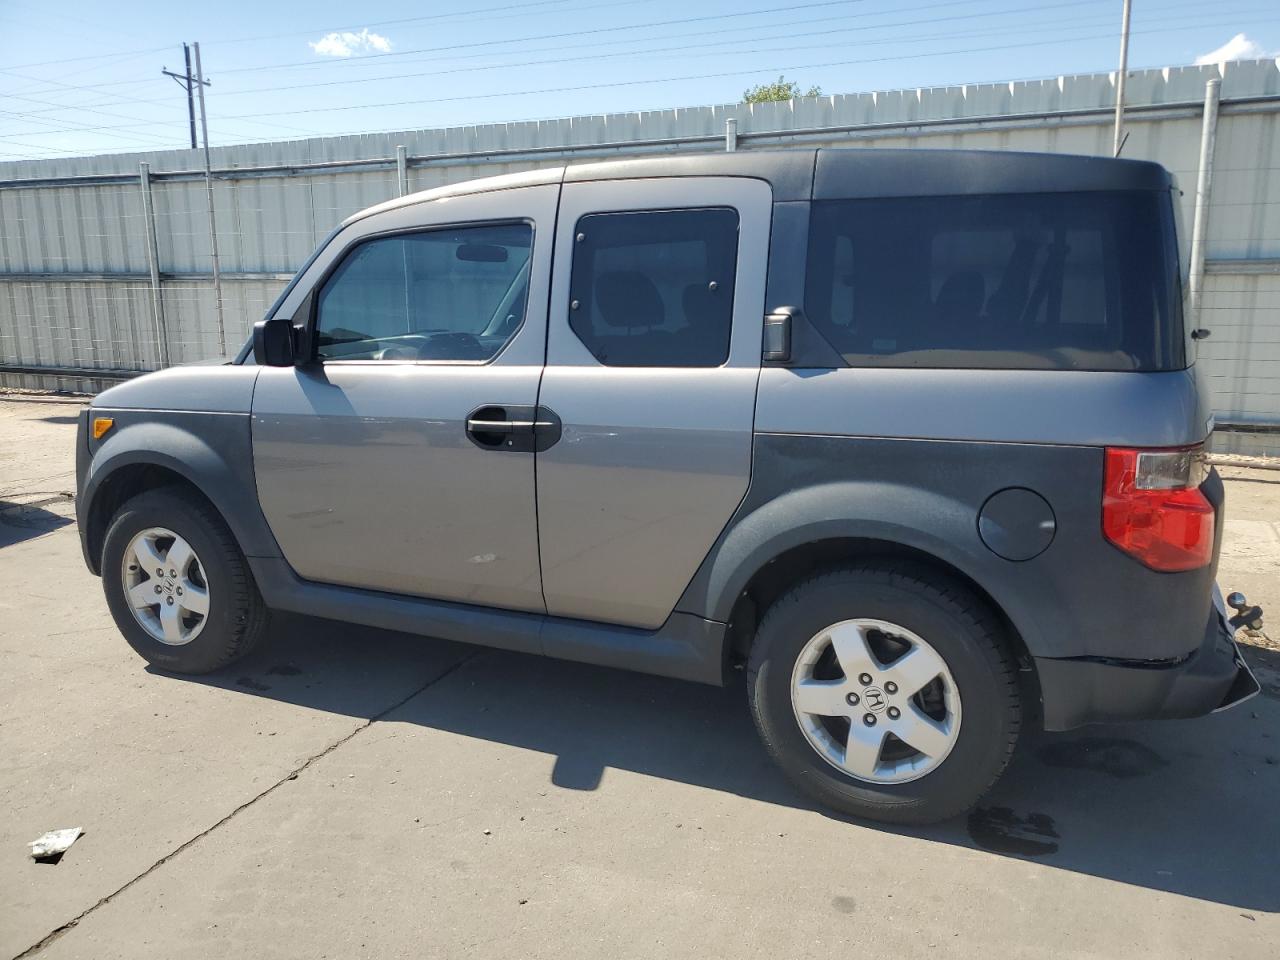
[(237, 617), (955, 623)]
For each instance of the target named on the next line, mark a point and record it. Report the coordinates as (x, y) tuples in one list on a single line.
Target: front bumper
[(1081, 690), (83, 458)]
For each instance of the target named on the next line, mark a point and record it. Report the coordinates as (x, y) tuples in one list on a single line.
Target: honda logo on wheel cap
[(873, 699)]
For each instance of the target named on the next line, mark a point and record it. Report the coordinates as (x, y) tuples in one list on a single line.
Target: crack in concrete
[(53, 935)]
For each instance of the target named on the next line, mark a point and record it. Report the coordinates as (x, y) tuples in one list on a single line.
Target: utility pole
[(1120, 77), (213, 226), (187, 81)]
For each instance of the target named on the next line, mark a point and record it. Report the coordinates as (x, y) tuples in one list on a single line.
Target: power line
[(365, 61), (393, 76), (34, 115), (500, 66), (116, 98), (275, 125), (119, 97), (563, 35), (297, 33), (96, 56), (595, 31), (469, 14), (647, 108), (644, 52), (551, 36), (755, 71), (138, 139), (323, 31), (704, 47), (720, 31), (57, 129), (38, 146)]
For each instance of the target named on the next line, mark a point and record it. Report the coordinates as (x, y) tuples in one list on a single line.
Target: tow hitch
[(1247, 616)]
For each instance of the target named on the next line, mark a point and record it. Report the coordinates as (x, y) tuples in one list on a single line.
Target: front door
[(374, 466), (653, 356)]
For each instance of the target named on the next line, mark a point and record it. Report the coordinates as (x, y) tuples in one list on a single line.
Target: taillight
[(1153, 510)]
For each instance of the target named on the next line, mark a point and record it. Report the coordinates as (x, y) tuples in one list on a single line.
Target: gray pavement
[(348, 792)]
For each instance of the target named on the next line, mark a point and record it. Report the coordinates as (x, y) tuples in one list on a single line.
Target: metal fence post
[(1204, 183), (402, 169), (730, 134), (153, 264), (1123, 72)]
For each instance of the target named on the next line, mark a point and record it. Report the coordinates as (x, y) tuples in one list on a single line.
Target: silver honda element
[(911, 438)]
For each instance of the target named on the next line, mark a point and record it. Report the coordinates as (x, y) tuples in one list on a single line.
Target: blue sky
[(81, 77)]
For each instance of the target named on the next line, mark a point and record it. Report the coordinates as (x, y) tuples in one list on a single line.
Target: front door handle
[(513, 429), (499, 426)]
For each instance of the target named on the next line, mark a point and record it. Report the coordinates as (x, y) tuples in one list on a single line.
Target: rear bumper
[(1081, 690)]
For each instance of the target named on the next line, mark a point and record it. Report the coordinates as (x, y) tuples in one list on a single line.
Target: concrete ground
[(349, 793)]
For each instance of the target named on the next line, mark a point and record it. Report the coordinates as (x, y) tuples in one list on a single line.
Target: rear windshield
[(1079, 281)]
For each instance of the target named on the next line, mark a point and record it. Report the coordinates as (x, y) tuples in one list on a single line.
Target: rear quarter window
[(1085, 281)]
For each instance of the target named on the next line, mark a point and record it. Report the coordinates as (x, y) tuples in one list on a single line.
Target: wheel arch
[(773, 578), (120, 486), (147, 455), (779, 542)]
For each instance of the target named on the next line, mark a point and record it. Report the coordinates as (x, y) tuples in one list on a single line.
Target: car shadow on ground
[(1184, 806), (26, 521)]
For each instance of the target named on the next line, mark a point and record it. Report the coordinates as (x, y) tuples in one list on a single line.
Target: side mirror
[(273, 343), (777, 334)]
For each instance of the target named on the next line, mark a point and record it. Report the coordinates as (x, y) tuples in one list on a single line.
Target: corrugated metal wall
[(74, 273)]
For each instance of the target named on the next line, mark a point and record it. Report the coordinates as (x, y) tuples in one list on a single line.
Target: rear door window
[(655, 288), (1035, 281)]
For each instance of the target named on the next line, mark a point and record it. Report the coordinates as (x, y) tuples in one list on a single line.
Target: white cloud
[(1238, 47), (348, 44)]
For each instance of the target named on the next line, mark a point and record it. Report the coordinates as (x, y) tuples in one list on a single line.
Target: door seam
[(537, 405)]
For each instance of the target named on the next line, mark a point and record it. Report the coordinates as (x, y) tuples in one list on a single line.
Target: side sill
[(685, 647)]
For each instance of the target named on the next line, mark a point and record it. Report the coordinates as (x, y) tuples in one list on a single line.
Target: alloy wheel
[(876, 701), (165, 586)]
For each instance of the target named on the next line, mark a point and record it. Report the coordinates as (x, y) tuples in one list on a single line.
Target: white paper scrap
[(53, 843)]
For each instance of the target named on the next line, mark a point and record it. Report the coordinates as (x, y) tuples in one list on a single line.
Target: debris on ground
[(54, 844), (43, 396)]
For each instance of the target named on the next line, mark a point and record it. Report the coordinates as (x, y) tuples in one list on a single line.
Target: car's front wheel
[(885, 692), (177, 584)]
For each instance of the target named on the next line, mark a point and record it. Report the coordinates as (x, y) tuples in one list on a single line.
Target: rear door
[(383, 463), (653, 355)]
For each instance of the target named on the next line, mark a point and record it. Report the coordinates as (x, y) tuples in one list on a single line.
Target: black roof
[(849, 173)]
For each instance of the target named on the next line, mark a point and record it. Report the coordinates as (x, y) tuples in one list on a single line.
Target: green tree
[(783, 89)]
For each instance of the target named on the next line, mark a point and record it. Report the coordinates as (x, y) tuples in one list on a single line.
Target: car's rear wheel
[(885, 692), (177, 584)]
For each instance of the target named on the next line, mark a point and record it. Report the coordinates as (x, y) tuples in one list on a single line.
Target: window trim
[(737, 257), (312, 305)]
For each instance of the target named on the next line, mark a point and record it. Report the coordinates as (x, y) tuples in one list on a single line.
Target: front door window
[(454, 294)]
